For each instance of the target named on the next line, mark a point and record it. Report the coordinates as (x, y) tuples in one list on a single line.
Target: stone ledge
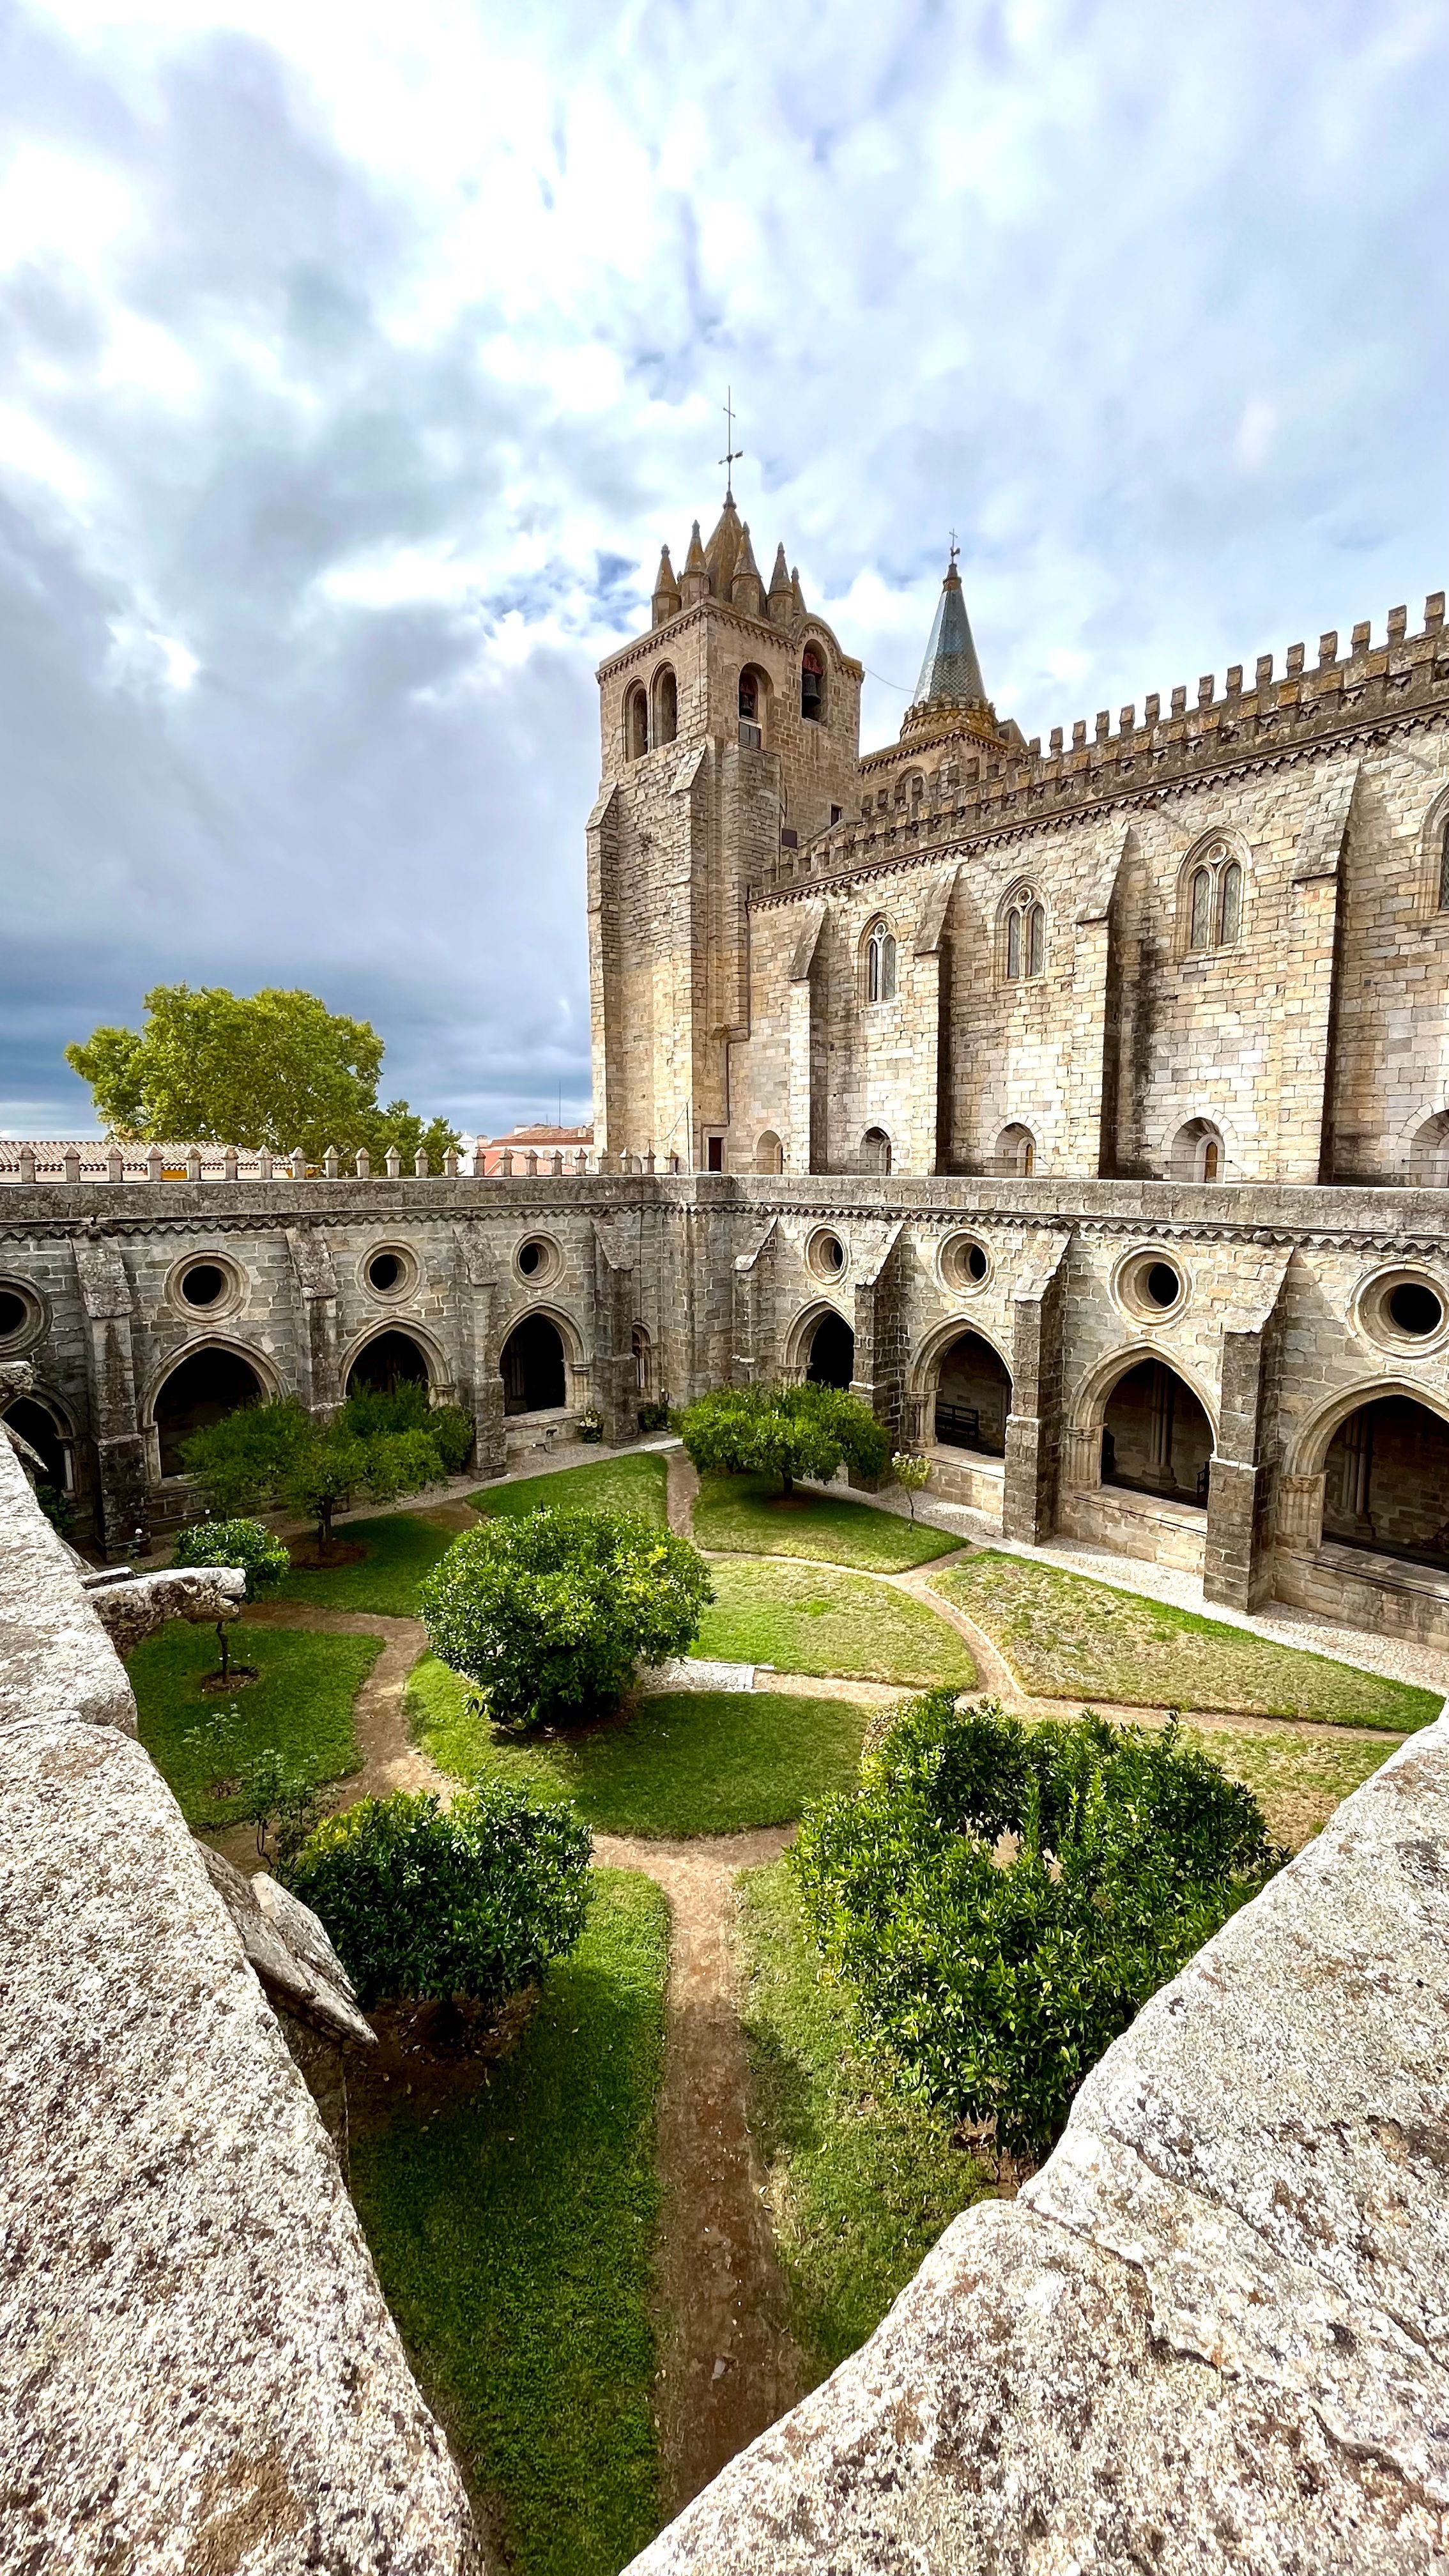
[(1213, 2333), (197, 2368), (56, 1660)]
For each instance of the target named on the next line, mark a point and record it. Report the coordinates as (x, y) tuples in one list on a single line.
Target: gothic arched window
[(749, 697), (1210, 901), (636, 725), (812, 684), (666, 706), (1230, 909), (1025, 936), (1444, 870), (880, 965)]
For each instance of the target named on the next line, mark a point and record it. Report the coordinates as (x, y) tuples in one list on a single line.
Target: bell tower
[(728, 730)]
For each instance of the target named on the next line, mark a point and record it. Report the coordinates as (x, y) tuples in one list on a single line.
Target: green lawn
[(514, 2236), (860, 2185), (691, 1762), (812, 1619), (1068, 1638), (401, 1548), (1297, 1779), (746, 1516), (635, 1483), (302, 1703)]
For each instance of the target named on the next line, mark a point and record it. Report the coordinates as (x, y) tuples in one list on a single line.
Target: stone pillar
[(749, 1358), (122, 1467), (612, 1386), (317, 1336), (1034, 1424), (1236, 1565), (803, 1145), (480, 1388), (881, 1341)]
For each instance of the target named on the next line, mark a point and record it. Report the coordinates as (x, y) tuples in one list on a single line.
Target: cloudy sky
[(355, 361)]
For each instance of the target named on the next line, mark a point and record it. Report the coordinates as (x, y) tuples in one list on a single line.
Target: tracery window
[(1025, 936), (880, 964), (1214, 901)]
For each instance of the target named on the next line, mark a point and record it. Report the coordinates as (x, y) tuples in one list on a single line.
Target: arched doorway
[(1156, 1438), (531, 1366), (973, 1398), (38, 1426), (832, 1353), (200, 1391), (1386, 1481), (394, 1359)]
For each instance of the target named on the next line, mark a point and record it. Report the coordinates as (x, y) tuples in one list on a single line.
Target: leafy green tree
[(261, 1557), (281, 1802), (988, 1986), (242, 1543), (784, 1431), (272, 1068), (552, 1613), (269, 1456), (912, 1474), (429, 1904)]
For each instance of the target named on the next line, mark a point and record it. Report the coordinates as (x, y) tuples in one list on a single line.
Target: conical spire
[(782, 597), (950, 673), (722, 552), (746, 587), (666, 590), (694, 580), (796, 592)]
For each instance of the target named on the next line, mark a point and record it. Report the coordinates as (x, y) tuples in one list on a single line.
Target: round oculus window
[(1149, 1288), (827, 1256), (384, 1272), (14, 1314), (964, 1263), (205, 1283), (1414, 1309), (537, 1260)]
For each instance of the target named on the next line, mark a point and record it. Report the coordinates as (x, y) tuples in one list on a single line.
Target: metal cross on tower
[(732, 454), (955, 549)]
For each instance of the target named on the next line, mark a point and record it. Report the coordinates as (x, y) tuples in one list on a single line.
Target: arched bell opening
[(392, 1359), (200, 1390), (1386, 1482), (832, 1353), (973, 1398), (532, 1367), (1156, 1438)]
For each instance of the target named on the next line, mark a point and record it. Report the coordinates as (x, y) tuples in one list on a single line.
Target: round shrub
[(262, 1558), (551, 1613), (428, 1904), (784, 1431), (990, 1982)]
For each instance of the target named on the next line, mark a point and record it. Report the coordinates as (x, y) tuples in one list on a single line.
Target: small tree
[(990, 1988), (911, 1473), (261, 1558), (281, 1801), (382, 1444), (784, 1431), (552, 1613), (433, 1905)]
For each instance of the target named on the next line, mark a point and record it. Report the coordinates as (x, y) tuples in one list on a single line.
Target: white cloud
[(352, 372)]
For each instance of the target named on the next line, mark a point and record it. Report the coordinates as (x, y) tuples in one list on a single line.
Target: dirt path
[(681, 1493), (727, 2366)]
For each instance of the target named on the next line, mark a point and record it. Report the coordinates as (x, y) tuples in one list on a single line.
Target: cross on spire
[(732, 454), (955, 549)]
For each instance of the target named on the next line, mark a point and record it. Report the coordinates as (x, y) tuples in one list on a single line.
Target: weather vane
[(732, 454)]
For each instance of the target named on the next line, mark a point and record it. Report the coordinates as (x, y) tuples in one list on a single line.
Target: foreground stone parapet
[(131, 1608), (1213, 2333), (197, 2368), (55, 1657)]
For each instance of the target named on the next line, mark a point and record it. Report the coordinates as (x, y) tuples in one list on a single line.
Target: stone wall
[(1281, 1326), (1210, 2334), (197, 2368)]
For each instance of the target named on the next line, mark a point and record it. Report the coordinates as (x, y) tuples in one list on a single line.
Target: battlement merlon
[(923, 797)]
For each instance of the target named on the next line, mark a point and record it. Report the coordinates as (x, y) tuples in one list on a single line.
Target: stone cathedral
[(1084, 1106)]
